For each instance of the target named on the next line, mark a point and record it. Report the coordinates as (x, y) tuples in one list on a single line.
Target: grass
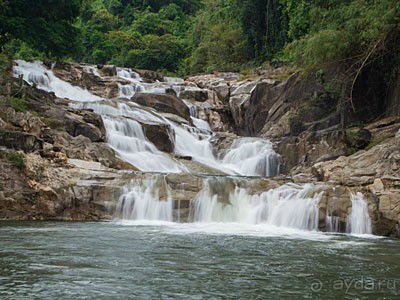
[(51, 122), (19, 104), (15, 158), (377, 141)]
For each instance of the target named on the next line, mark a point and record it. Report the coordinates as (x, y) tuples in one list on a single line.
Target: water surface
[(132, 260)]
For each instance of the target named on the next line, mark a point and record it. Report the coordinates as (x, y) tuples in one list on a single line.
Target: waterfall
[(128, 74), (332, 223), (36, 73), (145, 200), (287, 206), (127, 138), (248, 156), (359, 221), (253, 157), (223, 201)]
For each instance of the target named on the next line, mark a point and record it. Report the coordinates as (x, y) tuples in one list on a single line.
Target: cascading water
[(359, 221), (291, 206), (332, 223), (126, 137), (143, 200), (36, 73), (287, 206), (253, 157), (132, 145)]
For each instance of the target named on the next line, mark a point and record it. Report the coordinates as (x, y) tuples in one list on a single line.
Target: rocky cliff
[(57, 160)]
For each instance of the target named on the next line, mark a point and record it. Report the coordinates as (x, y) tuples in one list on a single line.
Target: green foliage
[(43, 25), (142, 34), (18, 104), (193, 36), (334, 32), (216, 38), (157, 53), (5, 65), (22, 50), (15, 158)]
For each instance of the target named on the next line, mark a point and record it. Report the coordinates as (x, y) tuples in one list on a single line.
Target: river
[(160, 260)]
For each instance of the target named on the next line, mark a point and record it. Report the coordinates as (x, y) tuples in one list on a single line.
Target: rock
[(163, 103), (26, 121), (76, 128), (161, 135), (309, 148), (222, 90), (109, 70), (237, 106), (150, 76), (2, 123), (361, 139), (244, 88), (194, 95), (20, 141), (222, 142)]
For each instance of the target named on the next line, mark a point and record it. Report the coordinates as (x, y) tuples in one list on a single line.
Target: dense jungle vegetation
[(195, 36)]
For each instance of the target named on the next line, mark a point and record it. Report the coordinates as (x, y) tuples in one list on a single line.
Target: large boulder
[(161, 135), (25, 121), (108, 70), (20, 141), (150, 76), (198, 95), (163, 103)]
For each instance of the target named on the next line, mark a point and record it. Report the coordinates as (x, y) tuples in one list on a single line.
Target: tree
[(43, 24), (157, 53)]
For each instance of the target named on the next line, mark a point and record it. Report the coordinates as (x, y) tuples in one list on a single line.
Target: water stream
[(288, 206), (235, 243)]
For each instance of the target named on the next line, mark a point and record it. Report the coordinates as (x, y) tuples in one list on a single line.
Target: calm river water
[(51, 260)]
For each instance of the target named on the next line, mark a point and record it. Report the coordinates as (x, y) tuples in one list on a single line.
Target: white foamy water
[(129, 75), (289, 206), (36, 73), (253, 157), (359, 221), (142, 200), (127, 138)]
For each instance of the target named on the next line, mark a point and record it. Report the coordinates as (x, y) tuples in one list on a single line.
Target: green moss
[(351, 151), (19, 104), (377, 141), (15, 158), (51, 122), (350, 136)]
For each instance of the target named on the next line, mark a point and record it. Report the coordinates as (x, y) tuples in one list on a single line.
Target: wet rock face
[(163, 103), (161, 135), (376, 173), (86, 127)]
